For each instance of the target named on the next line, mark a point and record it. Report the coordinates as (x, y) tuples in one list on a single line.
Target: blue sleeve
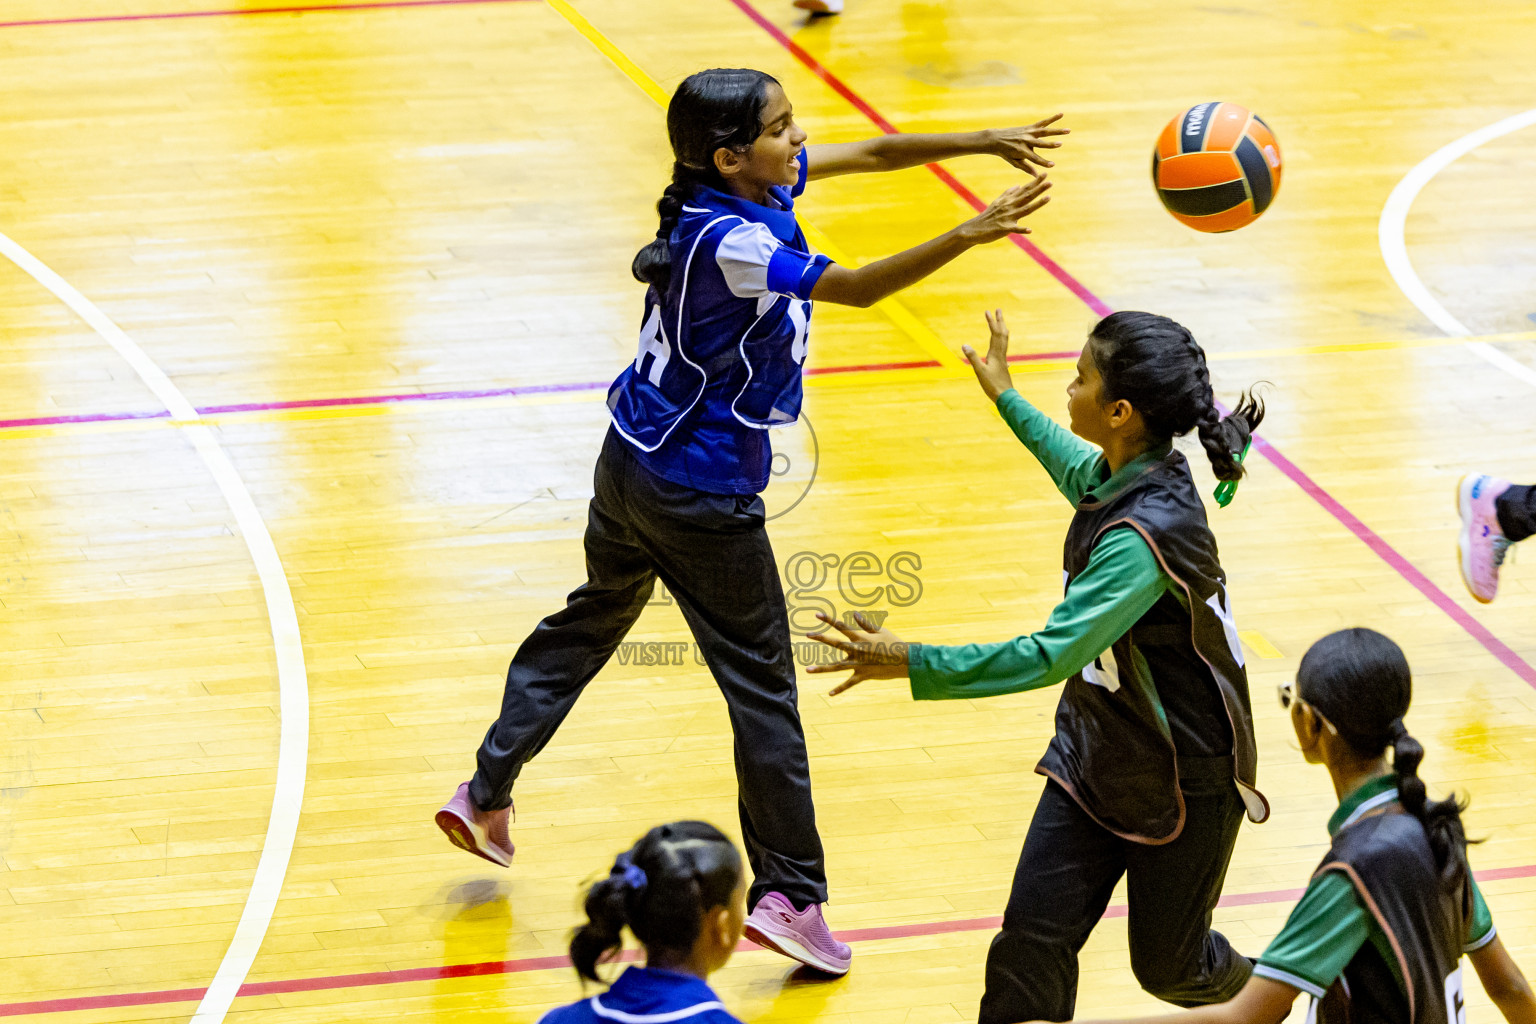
[(805, 168), (571, 1013), (791, 272), (754, 264)]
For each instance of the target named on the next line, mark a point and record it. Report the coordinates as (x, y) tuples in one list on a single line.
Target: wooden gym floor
[(373, 258)]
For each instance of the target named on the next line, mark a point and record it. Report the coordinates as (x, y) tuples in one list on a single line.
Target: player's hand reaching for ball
[(873, 652), (1002, 218), (1018, 145), (992, 372)]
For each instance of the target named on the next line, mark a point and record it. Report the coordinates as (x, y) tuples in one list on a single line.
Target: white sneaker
[(820, 6)]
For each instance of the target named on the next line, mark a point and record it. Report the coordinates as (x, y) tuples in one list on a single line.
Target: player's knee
[(1174, 981)]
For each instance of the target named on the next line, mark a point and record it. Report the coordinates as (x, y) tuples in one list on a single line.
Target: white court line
[(292, 682), (1395, 251)]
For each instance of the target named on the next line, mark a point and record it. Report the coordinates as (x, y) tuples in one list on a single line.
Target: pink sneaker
[(483, 833), (799, 934), (1482, 543)]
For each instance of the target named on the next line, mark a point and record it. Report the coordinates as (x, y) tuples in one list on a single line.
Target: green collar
[(1369, 796), (1112, 484)]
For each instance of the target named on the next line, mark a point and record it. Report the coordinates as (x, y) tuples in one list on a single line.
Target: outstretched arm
[(1504, 982), (1067, 458), (867, 285), (893, 152), (1120, 583), (1261, 1001)]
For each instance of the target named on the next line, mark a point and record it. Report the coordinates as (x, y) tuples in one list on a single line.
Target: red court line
[(543, 963), (1406, 569), (838, 86), (461, 395), (1373, 540), (230, 12)]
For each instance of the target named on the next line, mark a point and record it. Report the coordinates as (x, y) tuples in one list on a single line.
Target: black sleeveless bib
[(1169, 694), (1388, 860)]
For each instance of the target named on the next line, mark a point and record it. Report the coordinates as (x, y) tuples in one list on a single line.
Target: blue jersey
[(721, 349), (643, 995)]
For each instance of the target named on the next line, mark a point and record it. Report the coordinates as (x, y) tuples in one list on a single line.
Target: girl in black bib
[(1153, 763), (1379, 934)]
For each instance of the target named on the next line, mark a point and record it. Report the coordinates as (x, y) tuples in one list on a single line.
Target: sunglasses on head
[(1289, 696)]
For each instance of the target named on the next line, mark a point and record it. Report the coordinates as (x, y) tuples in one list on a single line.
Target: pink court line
[(451, 396), (230, 12), (1373, 540), (838, 86), (544, 963)]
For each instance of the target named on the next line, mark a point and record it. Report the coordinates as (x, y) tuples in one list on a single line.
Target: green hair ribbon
[(1227, 489)]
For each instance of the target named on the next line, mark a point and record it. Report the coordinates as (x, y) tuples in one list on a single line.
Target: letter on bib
[(653, 341)]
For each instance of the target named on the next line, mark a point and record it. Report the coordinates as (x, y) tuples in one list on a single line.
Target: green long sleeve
[(1120, 584), (1073, 464)]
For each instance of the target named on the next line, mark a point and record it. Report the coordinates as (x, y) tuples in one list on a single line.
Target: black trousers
[(1066, 874), (712, 552), (1516, 508)]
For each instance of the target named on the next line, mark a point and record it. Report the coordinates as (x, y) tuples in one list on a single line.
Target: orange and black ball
[(1216, 167)]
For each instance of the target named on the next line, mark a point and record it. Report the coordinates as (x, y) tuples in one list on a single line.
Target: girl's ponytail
[(712, 110), (1359, 680), (653, 264), (1155, 364), (1441, 818), (607, 910), (661, 889), (1224, 438)]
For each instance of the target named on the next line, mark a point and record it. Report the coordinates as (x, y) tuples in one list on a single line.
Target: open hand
[(1018, 145), (873, 652), (992, 372), (1002, 218)]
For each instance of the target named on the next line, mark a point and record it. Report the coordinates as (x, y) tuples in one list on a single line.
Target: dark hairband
[(1396, 730)]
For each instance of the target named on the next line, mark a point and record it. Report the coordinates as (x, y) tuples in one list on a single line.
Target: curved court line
[(292, 683), (1399, 564), (1394, 250)]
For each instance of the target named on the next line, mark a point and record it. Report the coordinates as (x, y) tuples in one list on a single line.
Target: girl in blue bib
[(723, 340), (682, 892)]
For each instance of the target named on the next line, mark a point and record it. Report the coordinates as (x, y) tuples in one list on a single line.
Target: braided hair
[(661, 888), (1359, 680), (717, 109), (1155, 364)]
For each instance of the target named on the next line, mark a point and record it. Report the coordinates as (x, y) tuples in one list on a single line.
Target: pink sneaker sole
[(785, 942), (459, 826), (793, 950), (1465, 541)]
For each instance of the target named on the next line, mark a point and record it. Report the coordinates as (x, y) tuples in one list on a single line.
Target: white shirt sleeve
[(743, 256)]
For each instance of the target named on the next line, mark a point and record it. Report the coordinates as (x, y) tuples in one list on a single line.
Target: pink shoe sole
[(774, 924), (461, 830), (793, 950), (1466, 542)]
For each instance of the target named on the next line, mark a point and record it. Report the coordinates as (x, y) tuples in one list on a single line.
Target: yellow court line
[(1258, 644), (894, 311)]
